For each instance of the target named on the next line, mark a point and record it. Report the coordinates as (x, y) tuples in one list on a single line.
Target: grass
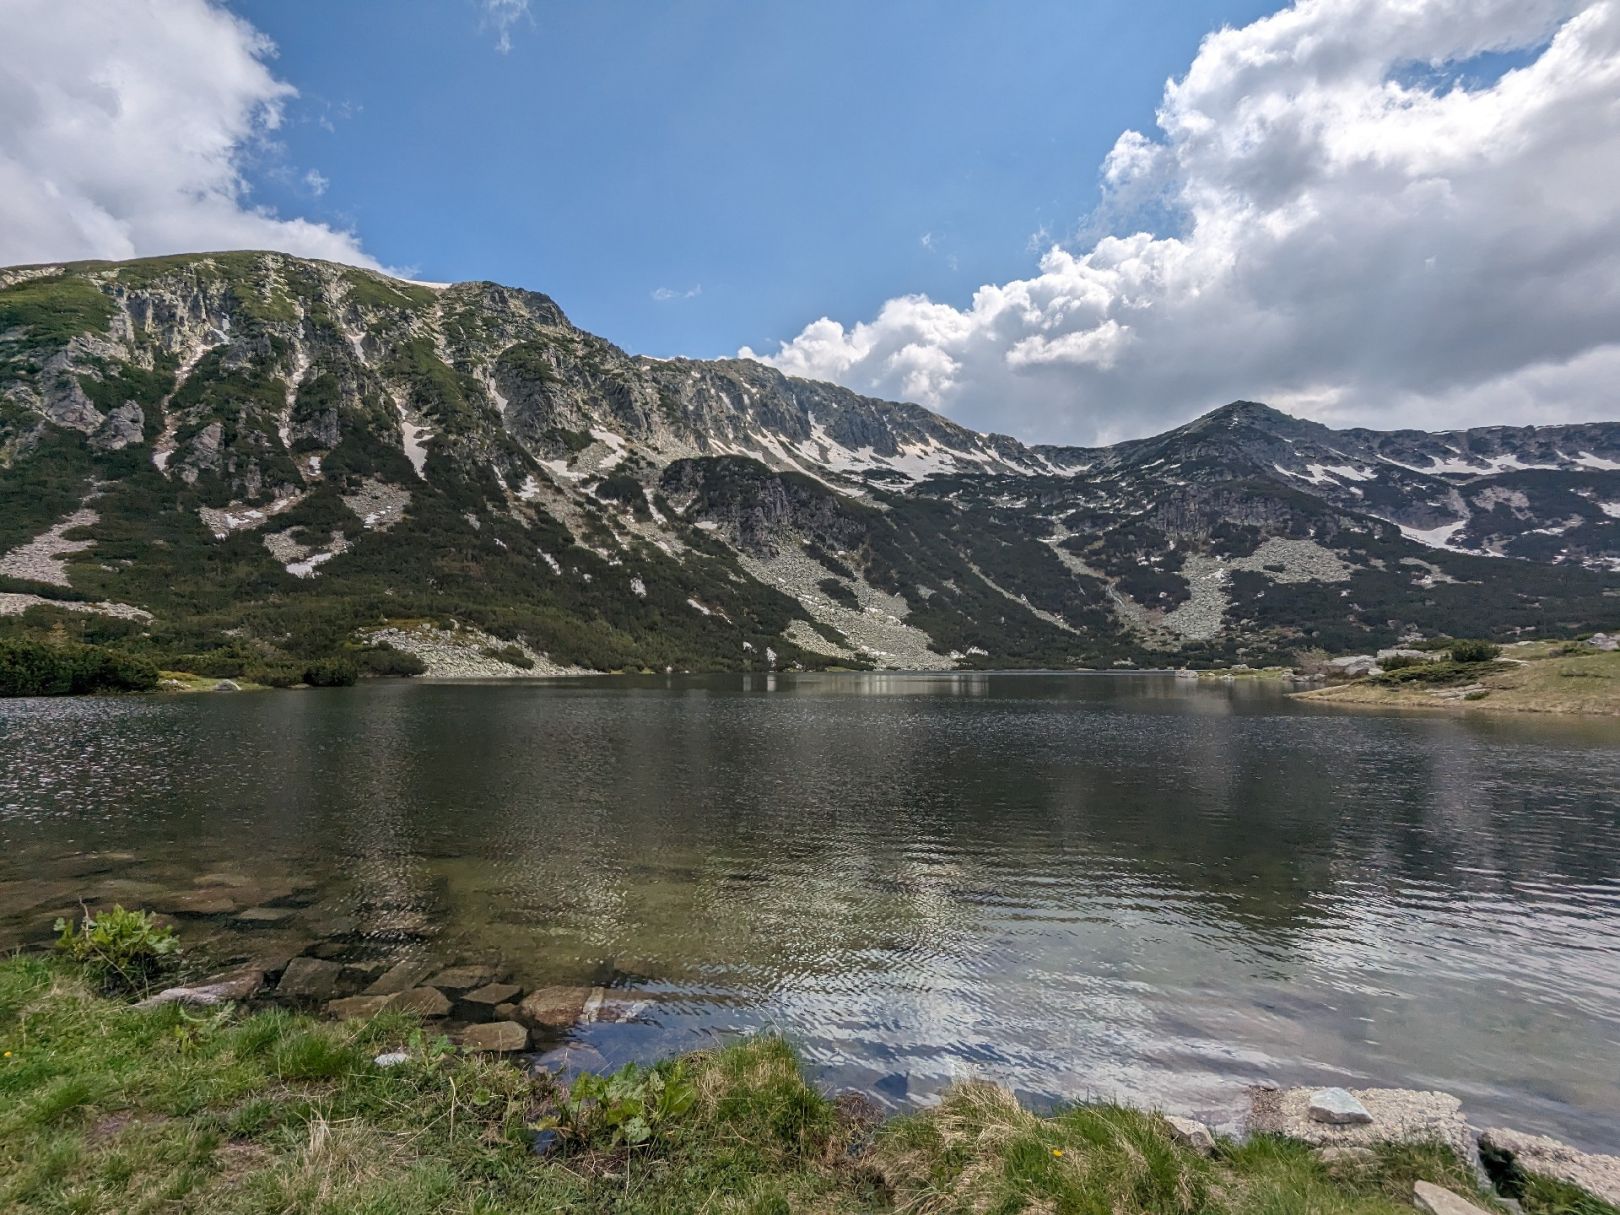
[(104, 1108), (1535, 678)]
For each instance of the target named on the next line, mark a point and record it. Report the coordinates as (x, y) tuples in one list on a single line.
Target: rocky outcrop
[(1509, 1155)]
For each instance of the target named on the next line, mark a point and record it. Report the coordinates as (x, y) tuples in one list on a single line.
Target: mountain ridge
[(284, 456)]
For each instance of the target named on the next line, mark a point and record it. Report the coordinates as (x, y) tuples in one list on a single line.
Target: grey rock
[(402, 976), (392, 1058), (1191, 1133), (1337, 1107), (1604, 642), (227, 685), (311, 979), (459, 979), (1594, 1173), (221, 989), (499, 1037), (1346, 1155), (356, 1008), (423, 1001), (480, 1004), (1429, 1197), (553, 1008)]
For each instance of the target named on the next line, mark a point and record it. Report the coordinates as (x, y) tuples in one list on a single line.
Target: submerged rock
[(481, 1003), (459, 979), (1338, 1108)]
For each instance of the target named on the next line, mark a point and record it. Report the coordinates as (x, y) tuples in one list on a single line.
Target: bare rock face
[(1509, 1154)]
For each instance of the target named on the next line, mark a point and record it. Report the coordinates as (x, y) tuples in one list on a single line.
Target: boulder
[(500, 1037), (423, 1001), (221, 989), (1191, 1133), (553, 1008), (215, 900), (1604, 642), (1338, 1108), (480, 1004), (311, 979), (227, 685), (392, 1058), (402, 976), (459, 979), (1506, 1152), (1398, 1115), (355, 1008), (1437, 1201)]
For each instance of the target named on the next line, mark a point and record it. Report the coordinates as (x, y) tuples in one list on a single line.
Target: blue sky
[(1070, 222), (783, 160)]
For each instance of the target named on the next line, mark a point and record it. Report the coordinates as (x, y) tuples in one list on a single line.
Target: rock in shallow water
[(500, 1037), (311, 978), (423, 1001), (1337, 1107), (221, 989)]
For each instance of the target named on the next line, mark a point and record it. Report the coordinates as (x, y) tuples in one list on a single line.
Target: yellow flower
[(1057, 1151), (8, 1054)]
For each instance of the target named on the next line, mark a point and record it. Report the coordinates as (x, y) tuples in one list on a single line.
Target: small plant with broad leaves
[(122, 951), (631, 1108)]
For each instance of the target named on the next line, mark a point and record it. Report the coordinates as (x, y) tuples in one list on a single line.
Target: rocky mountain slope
[(241, 459)]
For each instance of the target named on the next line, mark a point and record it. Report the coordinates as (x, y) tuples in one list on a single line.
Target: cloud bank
[(124, 125), (1382, 212)]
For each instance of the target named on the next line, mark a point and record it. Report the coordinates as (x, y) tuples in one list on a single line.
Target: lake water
[(1078, 885)]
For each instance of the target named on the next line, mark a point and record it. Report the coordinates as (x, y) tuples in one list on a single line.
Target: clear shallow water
[(1076, 885)]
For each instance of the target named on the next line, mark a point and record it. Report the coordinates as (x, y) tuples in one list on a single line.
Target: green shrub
[(630, 1108), (383, 659), (1398, 662), (282, 675), (33, 668), (331, 673), (122, 951), (1468, 650), (510, 654)]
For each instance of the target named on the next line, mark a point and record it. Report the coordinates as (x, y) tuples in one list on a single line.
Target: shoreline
[(255, 1097)]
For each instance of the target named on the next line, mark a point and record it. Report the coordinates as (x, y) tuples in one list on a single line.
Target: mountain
[(241, 461)]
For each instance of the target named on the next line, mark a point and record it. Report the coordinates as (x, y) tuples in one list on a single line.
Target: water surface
[(1130, 886)]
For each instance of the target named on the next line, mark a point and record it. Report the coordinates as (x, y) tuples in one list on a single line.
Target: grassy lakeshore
[(109, 1108), (1533, 677)]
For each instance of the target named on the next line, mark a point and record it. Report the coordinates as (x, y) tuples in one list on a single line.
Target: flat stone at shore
[(1596, 1174), (459, 979), (1429, 1197), (1398, 1115), (311, 979), (480, 1004), (354, 1008), (1191, 1133), (499, 1037), (553, 1008), (402, 976), (423, 1001), (221, 989)]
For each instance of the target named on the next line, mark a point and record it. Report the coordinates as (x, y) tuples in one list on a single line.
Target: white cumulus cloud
[(1357, 214), (124, 126)]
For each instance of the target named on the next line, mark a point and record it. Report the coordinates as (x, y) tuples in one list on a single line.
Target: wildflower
[(1057, 1152)]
